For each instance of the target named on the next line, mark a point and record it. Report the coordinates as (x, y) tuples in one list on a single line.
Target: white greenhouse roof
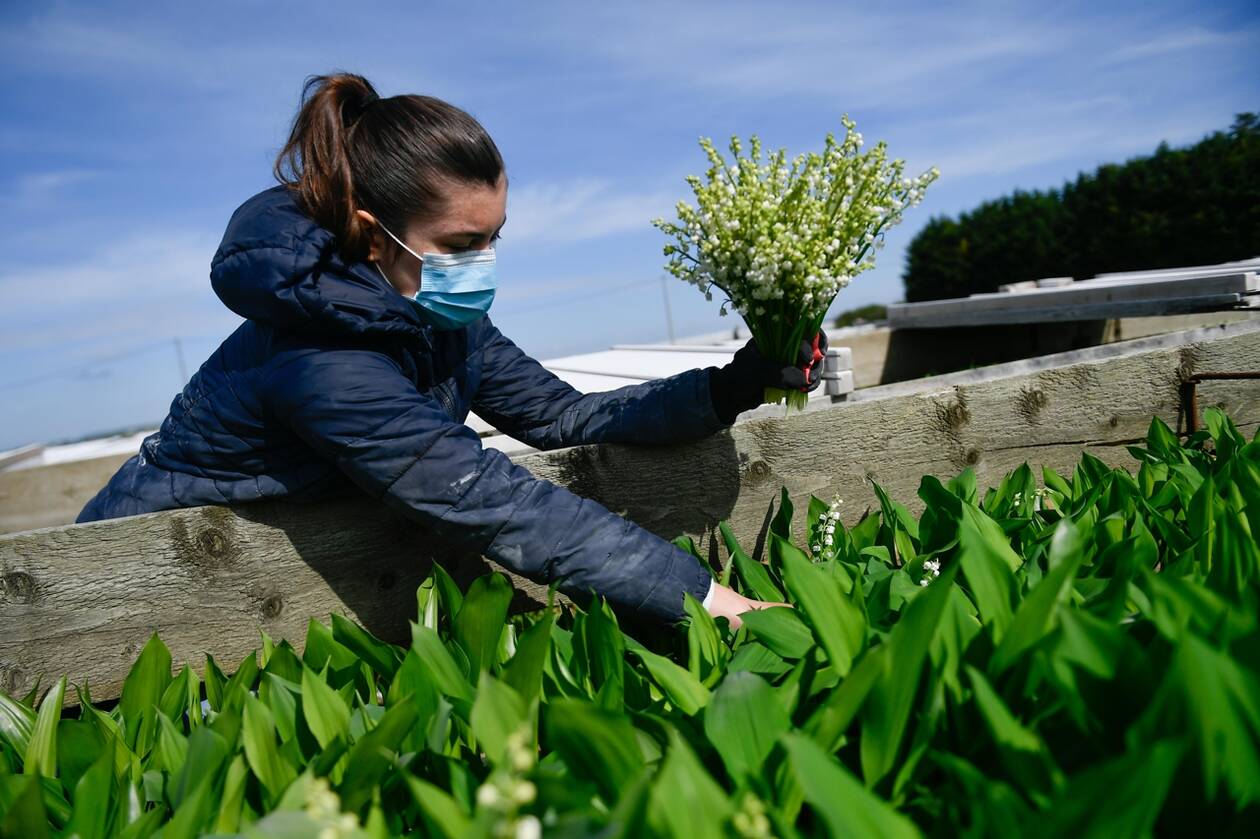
[(621, 365), (1201, 288)]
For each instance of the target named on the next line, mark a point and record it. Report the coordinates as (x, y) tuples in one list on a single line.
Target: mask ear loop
[(404, 247), (400, 242)]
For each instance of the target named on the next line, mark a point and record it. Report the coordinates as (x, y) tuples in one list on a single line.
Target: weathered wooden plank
[(83, 599)]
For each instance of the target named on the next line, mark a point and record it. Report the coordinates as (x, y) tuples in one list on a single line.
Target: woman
[(364, 278)]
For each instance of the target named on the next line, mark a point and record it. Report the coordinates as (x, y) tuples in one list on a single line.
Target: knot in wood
[(1030, 403), (972, 457), (12, 680), (19, 587), (758, 472), (213, 543), (953, 415), (272, 606)]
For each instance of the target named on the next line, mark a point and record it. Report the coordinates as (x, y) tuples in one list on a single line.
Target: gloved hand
[(740, 385)]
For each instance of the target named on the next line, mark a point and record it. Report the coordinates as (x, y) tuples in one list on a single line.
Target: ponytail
[(349, 149)]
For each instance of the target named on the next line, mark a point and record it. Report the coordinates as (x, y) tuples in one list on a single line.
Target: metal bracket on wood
[(833, 374), (1190, 395)]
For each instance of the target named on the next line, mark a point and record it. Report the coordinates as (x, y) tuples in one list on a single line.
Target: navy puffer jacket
[(335, 381)]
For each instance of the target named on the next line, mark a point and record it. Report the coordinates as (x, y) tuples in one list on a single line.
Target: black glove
[(740, 386)]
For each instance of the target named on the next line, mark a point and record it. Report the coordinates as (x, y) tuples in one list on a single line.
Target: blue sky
[(129, 132)]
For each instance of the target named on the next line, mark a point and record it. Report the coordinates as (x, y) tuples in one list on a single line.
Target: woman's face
[(475, 213)]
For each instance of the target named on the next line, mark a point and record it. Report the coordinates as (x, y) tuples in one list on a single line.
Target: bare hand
[(729, 604)]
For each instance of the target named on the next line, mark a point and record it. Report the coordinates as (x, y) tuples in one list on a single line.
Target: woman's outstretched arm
[(521, 398), (355, 408)]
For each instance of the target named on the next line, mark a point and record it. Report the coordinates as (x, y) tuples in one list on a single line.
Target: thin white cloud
[(1196, 38), (153, 283), (38, 185), (579, 209), (140, 265), (862, 56), (1014, 136)]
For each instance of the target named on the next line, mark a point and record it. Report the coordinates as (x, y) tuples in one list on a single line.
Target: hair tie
[(358, 111)]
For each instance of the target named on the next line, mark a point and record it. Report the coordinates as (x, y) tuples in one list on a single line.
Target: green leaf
[(781, 629), (373, 755), (685, 801), (524, 671), (754, 657), (216, 683), (781, 524), (1006, 730), (259, 735), (280, 696), (142, 691), (599, 654), (706, 654), (896, 516), (829, 721), (887, 709), (441, 810), (321, 648), (754, 575), (193, 815), (1214, 697), (1116, 799), (597, 745), (989, 564), (182, 695), (682, 689), (742, 721), (25, 815), (17, 721), (242, 680), (838, 622), (90, 816), (206, 752), (383, 658), (446, 674), (480, 620), (847, 808), (172, 747), (41, 751), (233, 797), (448, 590), (325, 712), (1033, 620), (497, 712)]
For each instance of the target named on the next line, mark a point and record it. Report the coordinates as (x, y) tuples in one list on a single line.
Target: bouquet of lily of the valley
[(780, 242)]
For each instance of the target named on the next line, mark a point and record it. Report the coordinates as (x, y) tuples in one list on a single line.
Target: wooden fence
[(83, 599)]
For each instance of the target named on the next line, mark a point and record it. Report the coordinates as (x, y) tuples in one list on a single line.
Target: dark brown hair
[(349, 149)]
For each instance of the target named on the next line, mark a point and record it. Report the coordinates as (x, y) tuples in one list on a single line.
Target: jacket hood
[(278, 266)]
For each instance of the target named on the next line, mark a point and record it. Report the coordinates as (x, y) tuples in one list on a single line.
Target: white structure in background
[(622, 365), (1168, 291)]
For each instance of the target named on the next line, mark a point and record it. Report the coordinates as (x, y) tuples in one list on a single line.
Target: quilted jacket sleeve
[(354, 407), (523, 399)]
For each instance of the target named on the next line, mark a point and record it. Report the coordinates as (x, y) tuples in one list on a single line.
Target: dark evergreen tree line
[(1189, 206)]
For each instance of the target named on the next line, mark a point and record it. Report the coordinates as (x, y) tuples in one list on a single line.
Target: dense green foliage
[(1078, 658), (1190, 206), (862, 314)]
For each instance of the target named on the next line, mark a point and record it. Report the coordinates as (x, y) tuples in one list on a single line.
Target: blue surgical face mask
[(455, 288)]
